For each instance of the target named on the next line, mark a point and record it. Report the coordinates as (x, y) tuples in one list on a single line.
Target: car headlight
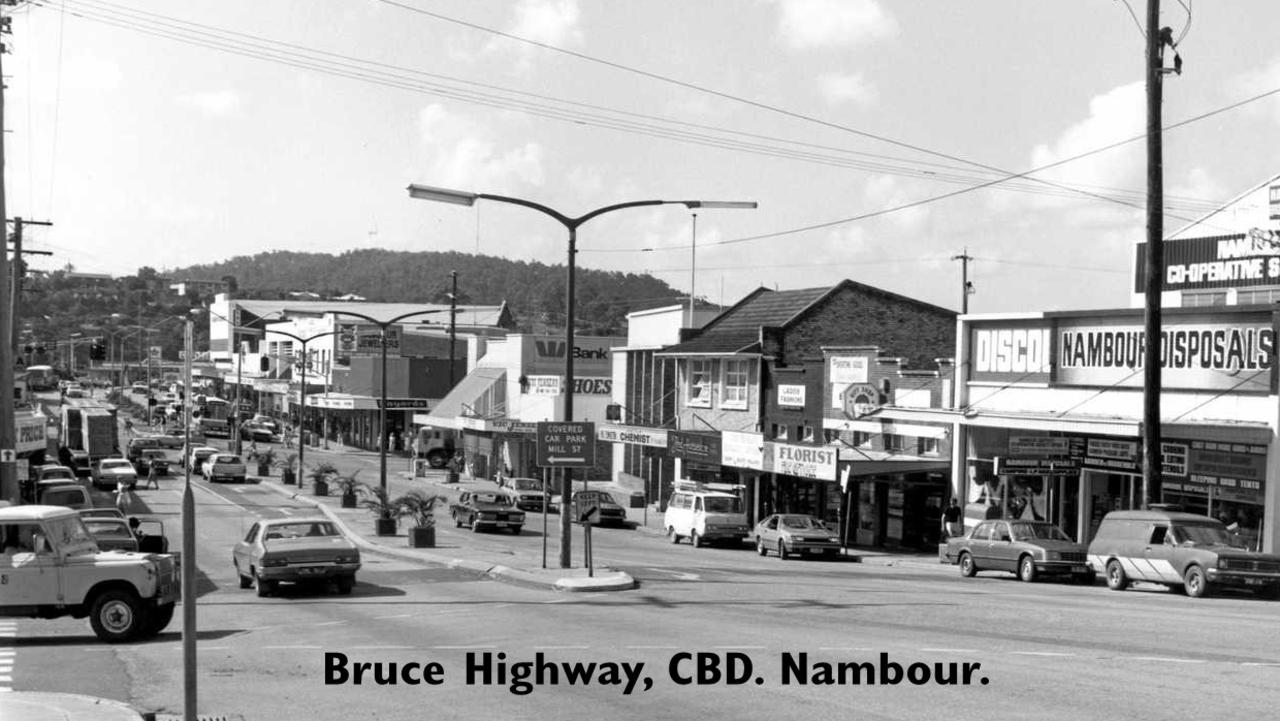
[(1224, 563), (1052, 556)]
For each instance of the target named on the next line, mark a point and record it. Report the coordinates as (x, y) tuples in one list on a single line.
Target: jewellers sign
[(1234, 356)]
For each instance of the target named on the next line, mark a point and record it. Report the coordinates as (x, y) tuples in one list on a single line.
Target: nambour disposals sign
[(1201, 353)]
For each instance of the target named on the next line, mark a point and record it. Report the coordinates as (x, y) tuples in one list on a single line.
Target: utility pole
[(966, 288), (19, 271), (453, 323), (1152, 461), (8, 431)]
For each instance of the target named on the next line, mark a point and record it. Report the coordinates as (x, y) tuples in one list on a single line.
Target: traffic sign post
[(566, 445)]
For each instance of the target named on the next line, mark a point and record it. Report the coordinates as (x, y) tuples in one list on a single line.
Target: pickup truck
[(51, 567)]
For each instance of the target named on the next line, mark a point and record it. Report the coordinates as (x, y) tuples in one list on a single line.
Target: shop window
[(861, 439), (927, 446), (805, 434), (781, 432), (895, 442), (1254, 297), (735, 384), (830, 436), (1199, 300), (700, 383)]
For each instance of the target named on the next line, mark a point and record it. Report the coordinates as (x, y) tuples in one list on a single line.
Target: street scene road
[(708, 632)]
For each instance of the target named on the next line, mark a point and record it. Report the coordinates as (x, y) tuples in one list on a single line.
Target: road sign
[(566, 445)]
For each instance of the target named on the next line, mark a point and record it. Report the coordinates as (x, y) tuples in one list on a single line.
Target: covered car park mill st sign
[(566, 445)]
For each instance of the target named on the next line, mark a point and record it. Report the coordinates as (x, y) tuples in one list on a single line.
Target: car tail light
[(269, 562)]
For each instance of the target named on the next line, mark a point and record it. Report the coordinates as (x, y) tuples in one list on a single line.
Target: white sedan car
[(224, 467), (111, 471)]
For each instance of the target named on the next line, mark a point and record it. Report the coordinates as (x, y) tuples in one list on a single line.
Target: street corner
[(46, 706), (600, 582)]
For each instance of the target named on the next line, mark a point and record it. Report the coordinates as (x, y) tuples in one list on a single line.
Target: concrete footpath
[(515, 562)]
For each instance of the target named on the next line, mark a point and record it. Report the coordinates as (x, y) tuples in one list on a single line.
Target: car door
[(769, 532), (1004, 553), (243, 552), (1158, 556), (980, 544), (29, 576)]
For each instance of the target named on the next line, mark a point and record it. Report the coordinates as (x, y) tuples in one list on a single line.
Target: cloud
[(217, 102), (884, 191), (461, 152), (551, 22), (805, 24), (838, 88), (1261, 81)]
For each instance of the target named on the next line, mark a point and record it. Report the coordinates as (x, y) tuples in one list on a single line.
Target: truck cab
[(50, 567)]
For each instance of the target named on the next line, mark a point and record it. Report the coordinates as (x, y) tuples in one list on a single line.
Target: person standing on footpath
[(951, 526)]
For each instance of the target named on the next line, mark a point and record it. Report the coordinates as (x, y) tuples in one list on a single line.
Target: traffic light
[(264, 364), (97, 351)]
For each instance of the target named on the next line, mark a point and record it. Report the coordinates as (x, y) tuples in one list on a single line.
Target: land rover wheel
[(117, 615), (1026, 569), (158, 619), (967, 567), (1194, 582), (760, 549), (1117, 579)]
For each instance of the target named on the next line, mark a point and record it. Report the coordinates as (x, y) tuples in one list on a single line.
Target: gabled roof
[(737, 330)]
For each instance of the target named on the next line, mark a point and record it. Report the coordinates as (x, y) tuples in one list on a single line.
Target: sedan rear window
[(301, 530)]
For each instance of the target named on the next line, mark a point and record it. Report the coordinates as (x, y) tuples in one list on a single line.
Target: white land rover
[(51, 567)]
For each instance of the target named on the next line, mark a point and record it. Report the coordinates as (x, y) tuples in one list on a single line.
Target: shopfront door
[(1108, 492)]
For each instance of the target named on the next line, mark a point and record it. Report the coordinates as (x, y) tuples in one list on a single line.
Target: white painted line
[(1270, 664), (329, 623), (398, 615), (1163, 659), (5, 689), (1041, 653), (6, 679)]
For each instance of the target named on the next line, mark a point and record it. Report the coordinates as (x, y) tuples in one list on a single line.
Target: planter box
[(320, 488), (451, 477), (287, 477), (385, 526), (348, 500), (264, 469), (422, 537)]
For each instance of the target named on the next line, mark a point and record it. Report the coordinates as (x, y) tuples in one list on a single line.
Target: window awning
[(462, 399)]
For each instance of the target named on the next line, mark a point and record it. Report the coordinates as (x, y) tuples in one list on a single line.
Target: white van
[(705, 516)]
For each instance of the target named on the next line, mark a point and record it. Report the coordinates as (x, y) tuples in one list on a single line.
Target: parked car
[(110, 472), (1181, 550), (486, 509), (75, 390), (224, 467), (788, 533), (61, 492), (139, 387), (295, 550), (51, 471), (134, 448), (196, 459), (604, 510), (527, 494), (703, 515), (1030, 549), (112, 512), (111, 534), (152, 457)]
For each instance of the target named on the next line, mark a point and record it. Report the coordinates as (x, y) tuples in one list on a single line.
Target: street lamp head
[(441, 195), (722, 204)]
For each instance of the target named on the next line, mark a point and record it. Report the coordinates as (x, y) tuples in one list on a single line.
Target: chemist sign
[(566, 444)]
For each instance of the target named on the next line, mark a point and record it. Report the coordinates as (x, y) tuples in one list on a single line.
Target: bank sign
[(1242, 260), (592, 355)]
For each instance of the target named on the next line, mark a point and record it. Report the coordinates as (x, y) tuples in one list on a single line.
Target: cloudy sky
[(167, 134)]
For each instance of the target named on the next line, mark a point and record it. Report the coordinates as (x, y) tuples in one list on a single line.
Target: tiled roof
[(737, 330)]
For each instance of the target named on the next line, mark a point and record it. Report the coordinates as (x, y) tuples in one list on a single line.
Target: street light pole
[(457, 197), (302, 388), (188, 546)]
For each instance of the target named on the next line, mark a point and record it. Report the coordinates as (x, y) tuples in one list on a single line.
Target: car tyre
[(158, 620), (1027, 569), (345, 584), (1195, 584), (457, 519), (515, 530), (1117, 579), (694, 539), (760, 548), (968, 568), (672, 535), (782, 551), (265, 587), (245, 581), (117, 616)]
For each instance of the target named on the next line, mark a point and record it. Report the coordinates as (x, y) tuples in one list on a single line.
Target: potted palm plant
[(288, 468), (266, 459), (387, 510), (350, 488), (320, 474), (421, 507)]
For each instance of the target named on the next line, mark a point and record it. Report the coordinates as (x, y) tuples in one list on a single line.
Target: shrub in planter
[(350, 488), (266, 459), (320, 474), (387, 510), (421, 508), (288, 469)]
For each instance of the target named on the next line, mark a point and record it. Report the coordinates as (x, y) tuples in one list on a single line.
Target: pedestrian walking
[(124, 497), (153, 478), (951, 525), (128, 426)]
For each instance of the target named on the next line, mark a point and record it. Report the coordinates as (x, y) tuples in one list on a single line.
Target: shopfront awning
[(867, 462), (462, 398), (349, 402)]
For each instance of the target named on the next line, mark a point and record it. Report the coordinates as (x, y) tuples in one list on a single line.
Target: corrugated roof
[(472, 315)]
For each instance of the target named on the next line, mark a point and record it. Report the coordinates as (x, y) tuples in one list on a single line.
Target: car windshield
[(489, 498), (526, 484), (69, 533), (227, 459), (800, 522), (1038, 532), (105, 528), (1204, 534), (722, 504), (309, 529)]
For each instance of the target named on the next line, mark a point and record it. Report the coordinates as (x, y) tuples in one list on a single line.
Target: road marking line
[(1163, 659), (1040, 653), (1260, 663), (7, 679), (398, 615), (329, 623)]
